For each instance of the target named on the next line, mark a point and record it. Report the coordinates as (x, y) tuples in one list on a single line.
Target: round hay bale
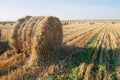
[(36, 35)]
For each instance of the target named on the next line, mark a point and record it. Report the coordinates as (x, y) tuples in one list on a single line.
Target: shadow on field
[(69, 57), (3, 46)]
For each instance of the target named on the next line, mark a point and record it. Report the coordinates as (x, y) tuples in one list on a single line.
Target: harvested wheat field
[(45, 48)]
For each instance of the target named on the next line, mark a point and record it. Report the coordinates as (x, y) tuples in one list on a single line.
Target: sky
[(11, 10)]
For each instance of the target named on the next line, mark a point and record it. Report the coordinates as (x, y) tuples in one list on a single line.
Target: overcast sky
[(64, 9)]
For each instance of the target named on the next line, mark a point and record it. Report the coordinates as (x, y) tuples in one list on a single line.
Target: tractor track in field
[(74, 35), (80, 41), (71, 30)]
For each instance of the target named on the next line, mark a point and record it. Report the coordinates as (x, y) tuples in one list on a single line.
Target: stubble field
[(90, 51)]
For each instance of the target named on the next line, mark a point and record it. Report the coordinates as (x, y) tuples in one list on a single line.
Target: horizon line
[(9, 21)]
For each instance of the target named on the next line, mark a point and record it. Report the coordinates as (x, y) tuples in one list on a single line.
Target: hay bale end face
[(36, 35)]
